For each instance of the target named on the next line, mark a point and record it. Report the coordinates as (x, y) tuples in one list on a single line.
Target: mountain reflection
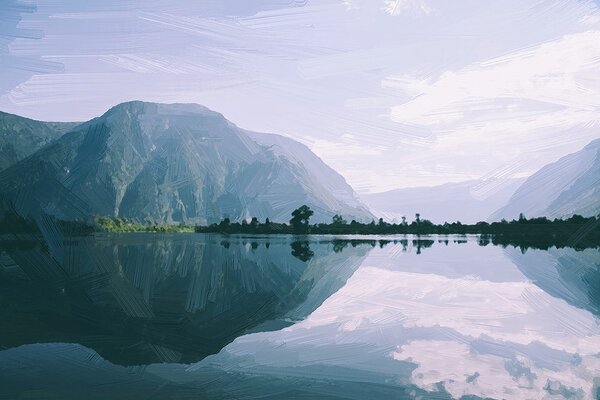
[(365, 317), (566, 273), (139, 298)]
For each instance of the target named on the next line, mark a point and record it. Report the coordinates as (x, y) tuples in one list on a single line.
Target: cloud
[(463, 372), (349, 147), (533, 102), (390, 7), (561, 72), (397, 7), (520, 312)]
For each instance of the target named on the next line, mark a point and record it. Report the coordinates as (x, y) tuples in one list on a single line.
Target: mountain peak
[(594, 144), (139, 107), (175, 163)]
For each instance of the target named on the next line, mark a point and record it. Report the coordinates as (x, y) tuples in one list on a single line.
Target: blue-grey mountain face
[(174, 163), (333, 188), (468, 202), (21, 137), (568, 186)]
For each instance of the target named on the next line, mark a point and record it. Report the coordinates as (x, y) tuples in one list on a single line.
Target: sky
[(390, 93)]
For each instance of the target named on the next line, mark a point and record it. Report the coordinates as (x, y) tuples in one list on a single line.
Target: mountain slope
[(21, 137), (468, 202), (173, 163), (568, 186), (330, 186), (566, 273)]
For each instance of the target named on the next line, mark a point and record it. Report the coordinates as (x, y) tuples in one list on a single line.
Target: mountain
[(174, 163), (166, 298), (568, 186), (319, 174), (468, 202), (566, 273), (21, 137)]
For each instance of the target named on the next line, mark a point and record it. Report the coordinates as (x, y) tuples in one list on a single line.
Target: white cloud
[(391, 7), (349, 147), (590, 20), (538, 103), (466, 373), (561, 72), (397, 7), (520, 313)]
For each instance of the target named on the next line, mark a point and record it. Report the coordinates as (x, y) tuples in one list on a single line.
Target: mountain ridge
[(172, 163), (468, 201), (20, 136), (568, 186)]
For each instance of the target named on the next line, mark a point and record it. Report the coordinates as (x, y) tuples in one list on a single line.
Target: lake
[(190, 316)]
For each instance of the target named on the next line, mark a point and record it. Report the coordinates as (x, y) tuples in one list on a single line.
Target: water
[(142, 316)]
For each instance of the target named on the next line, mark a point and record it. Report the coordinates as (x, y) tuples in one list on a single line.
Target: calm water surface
[(145, 316)]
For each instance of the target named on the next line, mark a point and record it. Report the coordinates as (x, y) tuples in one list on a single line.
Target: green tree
[(300, 218), (225, 224), (339, 220)]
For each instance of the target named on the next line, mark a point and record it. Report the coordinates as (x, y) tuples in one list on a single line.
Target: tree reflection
[(301, 250)]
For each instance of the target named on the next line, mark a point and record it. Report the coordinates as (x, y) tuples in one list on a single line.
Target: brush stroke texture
[(389, 93)]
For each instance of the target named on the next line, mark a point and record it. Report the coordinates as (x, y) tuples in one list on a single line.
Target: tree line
[(537, 231), (541, 232)]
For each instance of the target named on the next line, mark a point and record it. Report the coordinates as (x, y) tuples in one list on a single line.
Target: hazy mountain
[(172, 163), (319, 175), (468, 202), (568, 186), (21, 137)]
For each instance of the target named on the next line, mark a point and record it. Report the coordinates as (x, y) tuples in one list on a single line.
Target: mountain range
[(184, 163), (173, 163), (560, 189), (467, 202), (21, 137), (568, 186)]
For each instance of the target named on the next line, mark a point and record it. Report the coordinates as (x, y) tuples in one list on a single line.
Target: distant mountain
[(21, 137), (468, 202), (568, 186), (174, 163)]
